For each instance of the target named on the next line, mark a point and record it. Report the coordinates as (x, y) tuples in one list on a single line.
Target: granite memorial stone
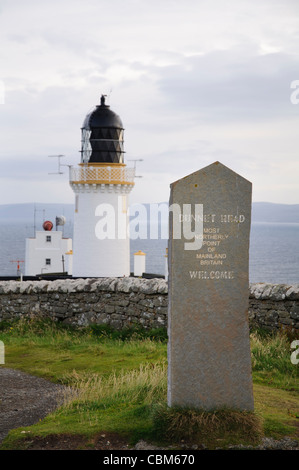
[(209, 361)]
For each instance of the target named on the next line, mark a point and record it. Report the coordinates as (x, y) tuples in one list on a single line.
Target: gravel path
[(24, 399)]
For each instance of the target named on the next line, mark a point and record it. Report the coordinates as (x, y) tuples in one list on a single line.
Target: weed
[(146, 384)]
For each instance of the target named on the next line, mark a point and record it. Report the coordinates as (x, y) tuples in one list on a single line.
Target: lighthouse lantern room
[(101, 184)]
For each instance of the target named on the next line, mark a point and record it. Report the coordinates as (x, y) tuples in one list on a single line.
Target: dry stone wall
[(124, 302), (118, 302), (274, 306)]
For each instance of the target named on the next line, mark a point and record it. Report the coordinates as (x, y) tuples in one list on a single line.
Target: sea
[(273, 255)]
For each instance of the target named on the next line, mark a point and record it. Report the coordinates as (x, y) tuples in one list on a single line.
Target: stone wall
[(118, 302), (122, 302), (274, 306)]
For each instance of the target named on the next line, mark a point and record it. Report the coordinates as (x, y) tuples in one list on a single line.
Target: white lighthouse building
[(101, 183)]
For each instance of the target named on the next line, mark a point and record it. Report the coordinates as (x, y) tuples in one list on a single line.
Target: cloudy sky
[(193, 81)]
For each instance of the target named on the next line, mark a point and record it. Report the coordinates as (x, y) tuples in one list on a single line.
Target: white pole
[(139, 263), (166, 264)]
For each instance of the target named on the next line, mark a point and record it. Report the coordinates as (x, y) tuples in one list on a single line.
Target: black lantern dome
[(102, 136)]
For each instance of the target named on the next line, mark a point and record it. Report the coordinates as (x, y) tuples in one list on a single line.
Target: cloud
[(230, 85), (193, 81)]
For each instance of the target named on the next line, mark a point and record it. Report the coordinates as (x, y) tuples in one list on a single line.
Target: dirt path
[(24, 399)]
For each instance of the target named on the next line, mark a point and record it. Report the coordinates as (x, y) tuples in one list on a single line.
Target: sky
[(194, 82)]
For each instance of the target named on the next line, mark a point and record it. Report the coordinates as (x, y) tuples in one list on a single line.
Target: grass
[(117, 382), (212, 427), (50, 350), (271, 362)]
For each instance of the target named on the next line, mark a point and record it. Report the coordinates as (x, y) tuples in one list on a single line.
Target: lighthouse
[(101, 183)]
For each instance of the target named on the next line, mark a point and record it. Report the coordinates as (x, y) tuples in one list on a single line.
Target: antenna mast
[(59, 172), (136, 160), (34, 217), (59, 164), (18, 266)]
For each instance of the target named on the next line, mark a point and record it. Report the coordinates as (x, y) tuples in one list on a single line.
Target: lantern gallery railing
[(102, 175)]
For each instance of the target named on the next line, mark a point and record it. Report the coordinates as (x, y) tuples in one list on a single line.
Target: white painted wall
[(101, 243), (38, 250)]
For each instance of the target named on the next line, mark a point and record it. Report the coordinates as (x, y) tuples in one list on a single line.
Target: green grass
[(212, 428), (50, 350), (117, 382), (271, 363)]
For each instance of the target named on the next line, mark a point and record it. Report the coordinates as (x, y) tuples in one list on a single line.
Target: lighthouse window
[(48, 261), (48, 238)]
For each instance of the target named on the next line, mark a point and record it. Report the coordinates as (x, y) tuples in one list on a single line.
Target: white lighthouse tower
[(101, 183)]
